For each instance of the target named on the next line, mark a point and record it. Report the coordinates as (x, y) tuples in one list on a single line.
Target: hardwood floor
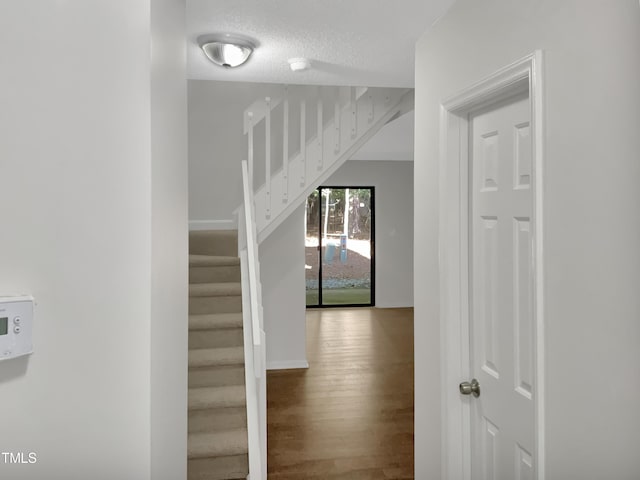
[(350, 415)]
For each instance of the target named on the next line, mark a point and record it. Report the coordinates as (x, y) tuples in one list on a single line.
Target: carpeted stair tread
[(211, 321), (215, 289), (212, 261), (217, 444), (229, 467), (209, 357), (210, 420), (213, 242), (216, 376), (217, 397)]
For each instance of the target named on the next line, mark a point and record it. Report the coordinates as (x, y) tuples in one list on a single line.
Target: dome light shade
[(227, 50)]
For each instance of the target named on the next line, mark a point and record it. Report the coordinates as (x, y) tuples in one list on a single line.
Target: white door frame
[(454, 247)]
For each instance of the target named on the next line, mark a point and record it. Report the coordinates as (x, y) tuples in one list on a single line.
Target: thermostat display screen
[(4, 325)]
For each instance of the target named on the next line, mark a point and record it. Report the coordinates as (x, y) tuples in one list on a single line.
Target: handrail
[(251, 245), (253, 333)]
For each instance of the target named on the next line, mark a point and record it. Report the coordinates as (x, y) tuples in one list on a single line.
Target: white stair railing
[(356, 115), (254, 336)]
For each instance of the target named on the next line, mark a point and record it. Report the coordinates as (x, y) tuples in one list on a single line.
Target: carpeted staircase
[(217, 444)]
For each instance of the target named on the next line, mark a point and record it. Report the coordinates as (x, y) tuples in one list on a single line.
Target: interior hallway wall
[(393, 182), (592, 226), (83, 197), (283, 293), (75, 207), (169, 241), (217, 145)]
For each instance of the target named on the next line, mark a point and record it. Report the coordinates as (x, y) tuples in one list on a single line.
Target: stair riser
[(216, 376), (214, 419), (220, 468), (216, 242), (223, 337), (219, 274), (212, 322), (223, 304)]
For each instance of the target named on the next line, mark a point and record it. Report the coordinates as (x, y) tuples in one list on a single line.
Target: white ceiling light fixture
[(227, 50), (299, 64)]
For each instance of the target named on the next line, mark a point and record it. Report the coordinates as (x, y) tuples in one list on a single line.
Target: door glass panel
[(312, 272), (339, 246)]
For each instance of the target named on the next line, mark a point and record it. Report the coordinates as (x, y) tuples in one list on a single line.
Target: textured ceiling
[(349, 42)]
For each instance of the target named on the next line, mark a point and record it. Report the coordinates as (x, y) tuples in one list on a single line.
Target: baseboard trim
[(394, 305), (287, 364), (212, 225)]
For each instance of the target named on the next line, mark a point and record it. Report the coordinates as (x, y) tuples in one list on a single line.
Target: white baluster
[(250, 154), (303, 141), (371, 107), (285, 147), (336, 121), (320, 135), (267, 166), (354, 113)]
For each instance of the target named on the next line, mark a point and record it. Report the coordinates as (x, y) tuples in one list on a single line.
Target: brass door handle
[(470, 388)]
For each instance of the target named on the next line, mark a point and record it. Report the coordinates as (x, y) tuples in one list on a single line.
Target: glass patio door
[(340, 247)]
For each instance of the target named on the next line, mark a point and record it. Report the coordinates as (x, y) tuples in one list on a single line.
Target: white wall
[(169, 244), (394, 141), (75, 208), (393, 182), (283, 293), (217, 145), (592, 224)]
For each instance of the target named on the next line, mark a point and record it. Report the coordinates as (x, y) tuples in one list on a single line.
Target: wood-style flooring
[(350, 415)]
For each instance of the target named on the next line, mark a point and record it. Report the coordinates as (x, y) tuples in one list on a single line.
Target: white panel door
[(501, 291)]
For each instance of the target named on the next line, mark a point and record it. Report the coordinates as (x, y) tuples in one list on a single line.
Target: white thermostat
[(16, 325)]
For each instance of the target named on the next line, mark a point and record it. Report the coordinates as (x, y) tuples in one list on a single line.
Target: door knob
[(472, 388)]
